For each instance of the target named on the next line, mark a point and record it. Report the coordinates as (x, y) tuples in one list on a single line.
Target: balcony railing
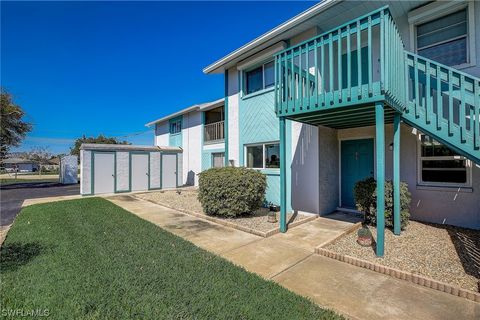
[(358, 62), (214, 132)]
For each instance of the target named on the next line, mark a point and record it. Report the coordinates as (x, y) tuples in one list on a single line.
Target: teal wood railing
[(443, 102), (357, 62), (364, 61)]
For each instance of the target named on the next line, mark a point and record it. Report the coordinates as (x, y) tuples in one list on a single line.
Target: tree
[(75, 150), (40, 155), (13, 128)]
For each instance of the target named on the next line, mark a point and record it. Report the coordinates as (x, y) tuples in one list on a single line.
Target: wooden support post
[(380, 150), (283, 176), (396, 174)]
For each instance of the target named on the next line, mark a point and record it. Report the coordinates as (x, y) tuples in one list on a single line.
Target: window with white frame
[(218, 159), (445, 39), (439, 165), (263, 156), (260, 78)]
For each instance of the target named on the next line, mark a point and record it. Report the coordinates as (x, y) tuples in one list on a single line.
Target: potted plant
[(272, 214), (365, 238)]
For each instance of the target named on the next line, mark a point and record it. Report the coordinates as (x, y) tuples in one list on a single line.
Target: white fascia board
[(262, 55), (202, 107), (212, 105), (173, 115), (298, 19)]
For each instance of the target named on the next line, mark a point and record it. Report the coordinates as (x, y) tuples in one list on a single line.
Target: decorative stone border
[(403, 275), (231, 224)]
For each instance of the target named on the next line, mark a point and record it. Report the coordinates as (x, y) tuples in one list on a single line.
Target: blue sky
[(110, 67)]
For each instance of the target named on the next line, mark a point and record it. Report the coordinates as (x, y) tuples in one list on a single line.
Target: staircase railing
[(444, 100)]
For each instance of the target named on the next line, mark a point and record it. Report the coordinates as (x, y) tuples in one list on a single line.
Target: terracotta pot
[(364, 241)]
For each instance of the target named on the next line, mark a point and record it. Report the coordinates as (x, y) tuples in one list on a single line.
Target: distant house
[(19, 165)]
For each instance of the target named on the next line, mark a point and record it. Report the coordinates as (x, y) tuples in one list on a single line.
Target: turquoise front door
[(357, 164)]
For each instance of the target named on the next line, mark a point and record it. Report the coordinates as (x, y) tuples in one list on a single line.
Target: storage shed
[(115, 168)]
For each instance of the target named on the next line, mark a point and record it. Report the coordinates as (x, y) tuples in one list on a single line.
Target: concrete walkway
[(289, 260)]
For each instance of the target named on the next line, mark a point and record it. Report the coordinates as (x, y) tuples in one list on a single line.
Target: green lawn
[(90, 259)]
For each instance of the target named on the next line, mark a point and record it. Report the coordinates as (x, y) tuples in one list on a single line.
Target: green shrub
[(231, 191), (365, 192)]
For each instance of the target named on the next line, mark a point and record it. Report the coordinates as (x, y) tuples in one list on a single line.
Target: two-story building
[(199, 130), (348, 90)]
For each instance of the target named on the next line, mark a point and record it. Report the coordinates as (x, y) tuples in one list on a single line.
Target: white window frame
[(420, 182), (440, 9), (263, 144)]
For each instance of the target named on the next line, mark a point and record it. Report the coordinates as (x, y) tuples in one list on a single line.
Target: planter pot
[(365, 241), (272, 217), (274, 208)]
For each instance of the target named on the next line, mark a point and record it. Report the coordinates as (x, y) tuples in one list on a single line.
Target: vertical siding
[(85, 172), (154, 170), (123, 171)]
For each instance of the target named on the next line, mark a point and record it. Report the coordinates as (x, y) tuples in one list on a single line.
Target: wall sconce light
[(390, 146)]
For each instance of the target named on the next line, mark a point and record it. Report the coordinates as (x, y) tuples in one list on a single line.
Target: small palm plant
[(365, 238)]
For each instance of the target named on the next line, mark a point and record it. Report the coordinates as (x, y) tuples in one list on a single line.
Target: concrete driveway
[(13, 195)]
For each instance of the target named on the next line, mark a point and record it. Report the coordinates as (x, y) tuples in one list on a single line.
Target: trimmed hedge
[(365, 193), (231, 191)]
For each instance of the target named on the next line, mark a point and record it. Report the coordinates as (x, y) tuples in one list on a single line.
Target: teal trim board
[(380, 149), (283, 173), (396, 174)]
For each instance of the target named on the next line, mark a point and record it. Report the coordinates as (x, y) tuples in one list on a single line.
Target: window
[(445, 39), (218, 159), (272, 156), (175, 126), (260, 78), (438, 165), (263, 156)]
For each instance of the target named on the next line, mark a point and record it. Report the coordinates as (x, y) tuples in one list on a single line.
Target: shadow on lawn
[(15, 255), (467, 245)]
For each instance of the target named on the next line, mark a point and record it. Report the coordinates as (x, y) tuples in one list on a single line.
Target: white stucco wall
[(85, 172), (305, 166), (123, 177), (154, 170), (192, 147), (233, 125)]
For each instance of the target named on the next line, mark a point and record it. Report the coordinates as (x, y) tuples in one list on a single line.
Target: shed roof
[(126, 147)]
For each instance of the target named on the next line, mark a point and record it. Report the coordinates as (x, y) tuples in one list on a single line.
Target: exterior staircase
[(334, 79), (443, 103)]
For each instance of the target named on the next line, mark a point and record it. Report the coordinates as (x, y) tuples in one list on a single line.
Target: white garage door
[(169, 171), (139, 172), (104, 174)]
